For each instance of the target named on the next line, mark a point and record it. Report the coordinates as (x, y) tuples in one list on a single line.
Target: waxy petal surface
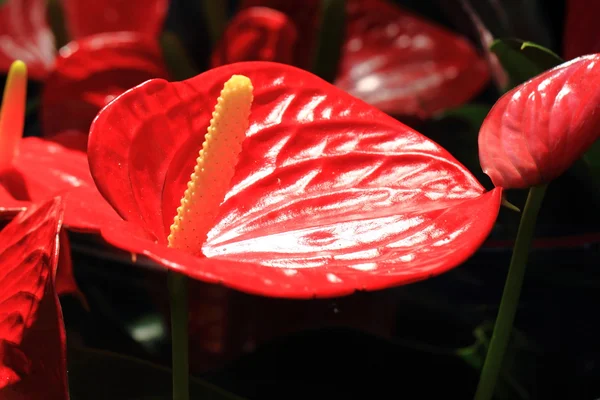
[(257, 34), (43, 169), (32, 336), (90, 72), (85, 18), (536, 131), (25, 35), (330, 194), (405, 65)]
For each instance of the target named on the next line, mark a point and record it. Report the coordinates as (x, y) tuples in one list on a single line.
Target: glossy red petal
[(305, 18), (581, 32), (91, 72), (32, 336), (257, 34), (405, 65), (540, 128), (26, 36), (330, 194), (43, 169), (85, 18)]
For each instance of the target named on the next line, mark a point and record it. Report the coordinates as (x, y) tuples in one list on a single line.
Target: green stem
[(178, 291), (215, 12), (179, 64), (331, 35), (510, 296)]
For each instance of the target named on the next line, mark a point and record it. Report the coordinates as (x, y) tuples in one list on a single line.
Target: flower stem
[(216, 18), (178, 291), (510, 296), (330, 39)]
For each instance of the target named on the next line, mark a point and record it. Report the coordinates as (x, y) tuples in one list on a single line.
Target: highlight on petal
[(44, 169), (86, 18), (330, 195), (12, 113), (32, 336), (257, 34), (90, 72), (25, 35), (405, 65), (581, 31), (536, 131)]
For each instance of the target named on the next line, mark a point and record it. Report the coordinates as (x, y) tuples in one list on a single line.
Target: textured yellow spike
[(215, 166), (12, 113)]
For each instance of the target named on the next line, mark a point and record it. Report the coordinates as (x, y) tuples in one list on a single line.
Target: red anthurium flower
[(329, 195), (32, 335), (540, 128), (391, 58), (26, 36), (91, 72), (86, 18), (581, 33), (34, 169)]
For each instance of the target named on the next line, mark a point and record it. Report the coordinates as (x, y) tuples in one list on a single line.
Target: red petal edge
[(32, 336), (85, 18), (330, 194), (90, 72), (43, 169), (26, 36), (536, 131)]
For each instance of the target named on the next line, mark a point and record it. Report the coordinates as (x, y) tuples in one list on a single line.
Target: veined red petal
[(32, 336), (26, 36), (85, 18), (90, 72), (536, 131), (330, 194)]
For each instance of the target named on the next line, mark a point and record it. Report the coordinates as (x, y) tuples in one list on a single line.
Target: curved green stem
[(178, 293), (510, 296)]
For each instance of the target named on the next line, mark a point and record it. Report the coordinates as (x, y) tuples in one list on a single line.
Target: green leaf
[(523, 60), (330, 38), (97, 374), (518, 365)]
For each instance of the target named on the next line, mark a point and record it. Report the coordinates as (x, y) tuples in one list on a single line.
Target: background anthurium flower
[(258, 33), (32, 336), (86, 18), (537, 130), (330, 195), (391, 58), (91, 72), (26, 35)]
